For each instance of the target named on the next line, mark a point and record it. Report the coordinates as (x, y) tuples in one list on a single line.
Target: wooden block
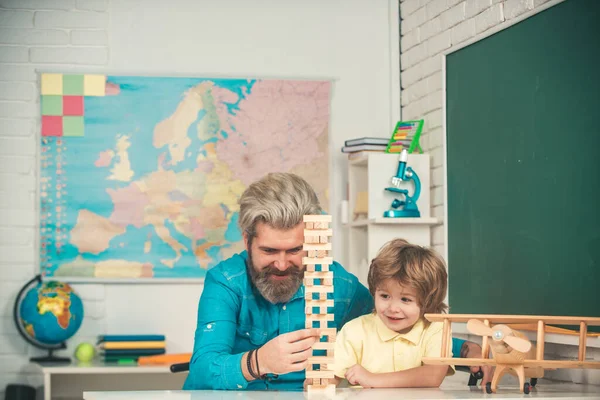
[(320, 225), (317, 246), (322, 310), (311, 267), (323, 239), (329, 332), (324, 381), (323, 324), (318, 232), (323, 295), (321, 253), (308, 324), (315, 261), (312, 239), (320, 360), (327, 282), (309, 225), (319, 374), (318, 289), (317, 381), (324, 267), (329, 346), (320, 317), (319, 303), (318, 390), (318, 275), (318, 218), (312, 253), (331, 338)]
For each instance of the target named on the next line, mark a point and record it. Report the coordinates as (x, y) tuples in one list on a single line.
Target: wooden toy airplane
[(511, 349)]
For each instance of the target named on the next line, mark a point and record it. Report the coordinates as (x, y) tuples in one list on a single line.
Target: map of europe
[(140, 177)]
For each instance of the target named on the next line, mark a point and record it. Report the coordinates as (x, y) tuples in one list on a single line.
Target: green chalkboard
[(523, 167)]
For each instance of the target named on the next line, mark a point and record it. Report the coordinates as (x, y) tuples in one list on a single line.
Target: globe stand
[(51, 358)]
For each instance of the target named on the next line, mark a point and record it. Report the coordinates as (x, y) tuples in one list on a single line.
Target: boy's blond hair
[(413, 266)]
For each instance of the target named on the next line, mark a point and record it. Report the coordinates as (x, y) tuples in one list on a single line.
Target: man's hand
[(357, 375), (473, 350), (288, 352)]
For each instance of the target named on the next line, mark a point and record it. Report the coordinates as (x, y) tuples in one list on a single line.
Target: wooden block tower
[(317, 243)]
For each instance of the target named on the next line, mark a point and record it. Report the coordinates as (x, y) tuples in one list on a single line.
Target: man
[(250, 332)]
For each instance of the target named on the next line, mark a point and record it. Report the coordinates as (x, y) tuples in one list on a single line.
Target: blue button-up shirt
[(234, 318)]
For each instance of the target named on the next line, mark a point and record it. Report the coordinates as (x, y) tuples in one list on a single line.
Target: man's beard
[(275, 291)]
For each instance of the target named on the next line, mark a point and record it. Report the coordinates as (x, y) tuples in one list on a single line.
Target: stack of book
[(129, 348), (365, 144)]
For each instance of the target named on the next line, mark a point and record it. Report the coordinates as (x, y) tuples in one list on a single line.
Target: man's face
[(275, 261)]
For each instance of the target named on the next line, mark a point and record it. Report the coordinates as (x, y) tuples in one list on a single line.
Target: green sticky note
[(52, 105), (72, 126), (73, 85)]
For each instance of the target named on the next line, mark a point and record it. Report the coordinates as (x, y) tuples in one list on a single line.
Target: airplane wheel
[(533, 382), (488, 388), (526, 387)]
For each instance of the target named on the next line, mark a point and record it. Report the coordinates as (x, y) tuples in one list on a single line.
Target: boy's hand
[(357, 375)]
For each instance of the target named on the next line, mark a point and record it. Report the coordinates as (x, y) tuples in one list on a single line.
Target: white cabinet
[(372, 174)]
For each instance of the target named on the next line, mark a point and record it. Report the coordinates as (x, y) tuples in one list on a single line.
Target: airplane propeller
[(500, 333)]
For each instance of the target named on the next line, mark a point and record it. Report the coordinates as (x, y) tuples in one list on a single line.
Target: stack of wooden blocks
[(317, 234)]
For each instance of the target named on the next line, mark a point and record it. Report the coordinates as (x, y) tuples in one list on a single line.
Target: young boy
[(385, 348)]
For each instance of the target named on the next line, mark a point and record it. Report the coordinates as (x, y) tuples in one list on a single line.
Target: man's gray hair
[(280, 200)]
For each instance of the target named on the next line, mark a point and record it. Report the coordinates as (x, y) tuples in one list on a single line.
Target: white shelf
[(371, 174), (101, 368), (394, 221), (359, 162)]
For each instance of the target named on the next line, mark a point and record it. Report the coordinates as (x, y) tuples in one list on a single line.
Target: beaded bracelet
[(249, 365)]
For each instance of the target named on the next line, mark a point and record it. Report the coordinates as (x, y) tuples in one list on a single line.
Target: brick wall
[(45, 35), (428, 28)]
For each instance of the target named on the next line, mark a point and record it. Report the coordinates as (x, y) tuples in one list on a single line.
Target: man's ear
[(245, 235)]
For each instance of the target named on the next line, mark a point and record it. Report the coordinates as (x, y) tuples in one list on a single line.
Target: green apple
[(84, 352)]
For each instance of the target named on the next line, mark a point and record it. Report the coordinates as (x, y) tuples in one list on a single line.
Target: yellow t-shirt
[(368, 342)]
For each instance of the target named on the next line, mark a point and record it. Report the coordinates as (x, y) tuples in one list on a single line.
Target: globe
[(47, 314)]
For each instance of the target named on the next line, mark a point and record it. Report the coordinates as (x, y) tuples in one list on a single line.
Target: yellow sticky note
[(52, 84), (94, 85)]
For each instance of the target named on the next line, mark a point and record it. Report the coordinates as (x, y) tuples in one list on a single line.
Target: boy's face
[(396, 306)]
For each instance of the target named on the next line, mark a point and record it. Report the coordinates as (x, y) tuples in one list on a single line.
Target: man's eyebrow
[(267, 248), (297, 248)]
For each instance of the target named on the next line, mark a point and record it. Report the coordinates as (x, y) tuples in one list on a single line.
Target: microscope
[(407, 207)]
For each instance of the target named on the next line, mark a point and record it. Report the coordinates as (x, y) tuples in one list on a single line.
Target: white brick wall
[(36, 34), (428, 28)]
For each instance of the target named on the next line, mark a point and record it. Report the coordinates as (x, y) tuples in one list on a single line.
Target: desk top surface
[(450, 389)]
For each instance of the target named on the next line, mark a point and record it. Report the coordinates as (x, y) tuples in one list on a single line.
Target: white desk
[(69, 381), (453, 388)]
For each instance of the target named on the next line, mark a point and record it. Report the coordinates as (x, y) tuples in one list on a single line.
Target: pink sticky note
[(73, 105), (52, 125)]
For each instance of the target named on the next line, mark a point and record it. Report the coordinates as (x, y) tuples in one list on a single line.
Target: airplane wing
[(458, 361)]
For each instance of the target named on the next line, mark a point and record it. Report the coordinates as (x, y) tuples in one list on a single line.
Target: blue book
[(130, 338), (132, 352)]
